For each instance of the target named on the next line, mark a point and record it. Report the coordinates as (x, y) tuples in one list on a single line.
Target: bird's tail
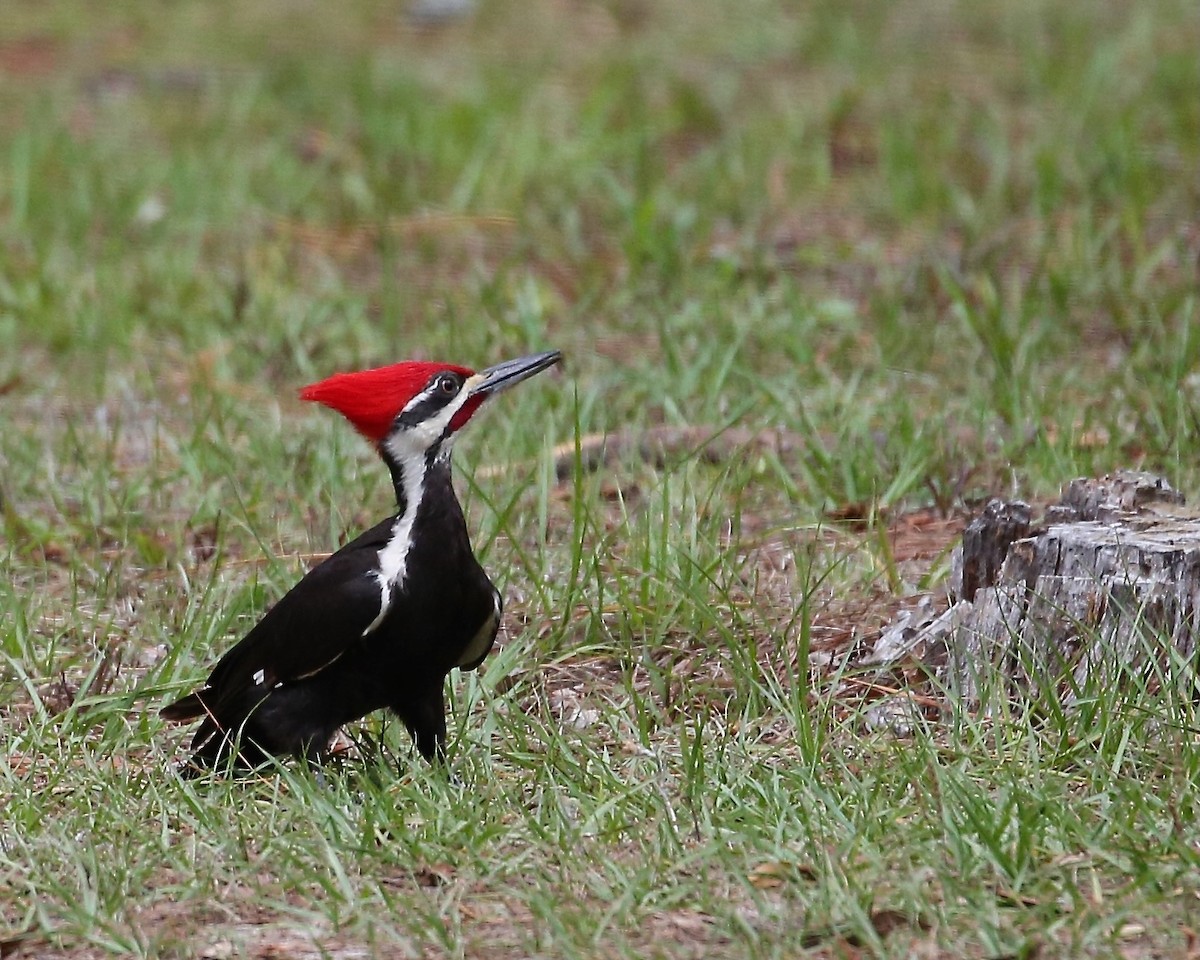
[(215, 750), (186, 708), (217, 745)]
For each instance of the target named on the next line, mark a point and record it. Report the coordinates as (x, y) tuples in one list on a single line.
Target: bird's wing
[(307, 630), (484, 639)]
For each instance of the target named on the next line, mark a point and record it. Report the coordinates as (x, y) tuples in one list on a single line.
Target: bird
[(380, 623)]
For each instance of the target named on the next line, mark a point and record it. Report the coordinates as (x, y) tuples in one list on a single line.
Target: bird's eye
[(448, 385)]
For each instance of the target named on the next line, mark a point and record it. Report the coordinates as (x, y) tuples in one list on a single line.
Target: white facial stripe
[(421, 397), (468, 385), (419, 437)]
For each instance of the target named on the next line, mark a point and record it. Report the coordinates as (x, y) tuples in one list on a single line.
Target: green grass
[(887, 255)]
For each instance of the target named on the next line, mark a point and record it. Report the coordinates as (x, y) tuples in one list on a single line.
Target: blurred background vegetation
[(932, 200)]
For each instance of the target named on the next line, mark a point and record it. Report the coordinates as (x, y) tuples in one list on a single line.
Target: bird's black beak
[(504, 375)]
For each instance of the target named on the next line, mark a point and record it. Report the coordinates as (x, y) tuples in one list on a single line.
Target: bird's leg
[(425, 718)]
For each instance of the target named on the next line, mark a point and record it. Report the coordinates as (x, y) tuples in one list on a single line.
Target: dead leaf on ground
[(425, 875), (31, 56), (58, 696), (772, 874), (11, 944), (925, 533), (689, 923), (52, 552), (204, 539), (1012, 899), (888, 921), (218, 950), (434, 875), (885, 921), (20, 764)]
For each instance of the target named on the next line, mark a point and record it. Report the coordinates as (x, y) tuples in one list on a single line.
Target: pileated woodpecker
[(382, 622)]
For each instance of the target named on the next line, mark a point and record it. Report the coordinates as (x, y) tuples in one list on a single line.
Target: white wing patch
[(260, 677)]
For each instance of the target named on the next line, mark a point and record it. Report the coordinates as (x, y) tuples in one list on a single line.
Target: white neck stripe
[(393, 558), (408, 449)]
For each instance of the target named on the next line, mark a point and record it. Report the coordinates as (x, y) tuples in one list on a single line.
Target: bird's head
[(414, 408)]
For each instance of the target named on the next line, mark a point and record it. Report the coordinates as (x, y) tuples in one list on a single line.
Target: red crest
[(371, 399)]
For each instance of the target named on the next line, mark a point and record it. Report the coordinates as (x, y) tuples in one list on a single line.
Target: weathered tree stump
[(1107, 584)]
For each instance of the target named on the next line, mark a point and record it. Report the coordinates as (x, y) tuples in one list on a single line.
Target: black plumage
[(380, 623)]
